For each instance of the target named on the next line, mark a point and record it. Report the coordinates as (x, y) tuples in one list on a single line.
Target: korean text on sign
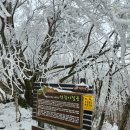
[(88, 102)]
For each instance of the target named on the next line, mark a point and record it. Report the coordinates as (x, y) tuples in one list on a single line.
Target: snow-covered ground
[(108, 126), (8, 119)]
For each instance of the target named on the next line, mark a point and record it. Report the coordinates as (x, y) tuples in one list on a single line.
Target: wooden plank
[(35, 91), (37, 128), (34, 106), (33, 113), (34, 117), (71, 87)]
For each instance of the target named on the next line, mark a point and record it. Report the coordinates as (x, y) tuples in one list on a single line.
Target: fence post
[(41, 123)]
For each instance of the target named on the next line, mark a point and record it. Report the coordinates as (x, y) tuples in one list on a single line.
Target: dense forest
[(63, 41)]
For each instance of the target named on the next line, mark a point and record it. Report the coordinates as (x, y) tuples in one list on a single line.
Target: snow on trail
[(8, 119), (8, 115), (108, 126)]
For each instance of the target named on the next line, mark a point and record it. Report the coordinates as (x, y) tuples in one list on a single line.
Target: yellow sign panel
[(88, 102)]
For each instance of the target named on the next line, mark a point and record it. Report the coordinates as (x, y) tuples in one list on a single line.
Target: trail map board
[(72, 110), (60, 107)]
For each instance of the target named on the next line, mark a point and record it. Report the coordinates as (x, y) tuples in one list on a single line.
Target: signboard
[(72, 110), (88, 102), (61, 108)]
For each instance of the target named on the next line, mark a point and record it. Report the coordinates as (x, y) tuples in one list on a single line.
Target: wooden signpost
[(71, 110), (60, 108)]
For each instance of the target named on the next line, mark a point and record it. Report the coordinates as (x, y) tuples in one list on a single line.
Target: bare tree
[(63, 40)]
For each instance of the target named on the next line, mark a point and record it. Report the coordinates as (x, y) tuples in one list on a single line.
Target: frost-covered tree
[(108, 16), (63, 40)]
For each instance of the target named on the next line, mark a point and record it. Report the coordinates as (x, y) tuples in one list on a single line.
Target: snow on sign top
[(83, 88)]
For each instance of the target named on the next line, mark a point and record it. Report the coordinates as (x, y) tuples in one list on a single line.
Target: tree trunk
[(18, 113), (125, 115), (28, 91), (101, 120)]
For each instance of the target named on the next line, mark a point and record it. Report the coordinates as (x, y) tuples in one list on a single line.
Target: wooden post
[(41, 123)]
